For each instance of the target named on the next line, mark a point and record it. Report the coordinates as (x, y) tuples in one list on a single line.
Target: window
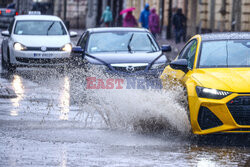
[(39, 27), (124, 41), (189, 53), (83, 40), (225, 53)]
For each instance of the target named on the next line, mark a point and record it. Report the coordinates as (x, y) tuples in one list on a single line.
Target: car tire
[(3, 62), (9, 66)]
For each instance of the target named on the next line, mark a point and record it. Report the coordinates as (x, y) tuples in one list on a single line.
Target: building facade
[(73, 12), (96, 8), (202, 15)]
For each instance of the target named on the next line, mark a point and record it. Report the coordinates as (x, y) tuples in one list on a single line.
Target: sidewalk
[(176, 48)]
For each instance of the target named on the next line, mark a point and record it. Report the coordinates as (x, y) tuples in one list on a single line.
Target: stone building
[(73, 12), (202, 15), (163, 9), (96, 8), (219, 15)]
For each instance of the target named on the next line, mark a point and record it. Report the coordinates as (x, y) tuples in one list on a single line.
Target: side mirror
[(180, 64), (77, 49), (5, 33), (73, 34), (166, 48)]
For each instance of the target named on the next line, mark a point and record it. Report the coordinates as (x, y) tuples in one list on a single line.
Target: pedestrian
[(107, 17), (145, 16), (154, 22), (179, 22), (129, 20)]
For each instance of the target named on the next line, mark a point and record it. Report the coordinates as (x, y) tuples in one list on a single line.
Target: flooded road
[(55, 121)]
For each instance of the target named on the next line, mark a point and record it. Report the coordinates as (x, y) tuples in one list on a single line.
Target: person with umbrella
[(129, 20)]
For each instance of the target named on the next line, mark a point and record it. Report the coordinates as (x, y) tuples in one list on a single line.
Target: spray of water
[(148, 110)]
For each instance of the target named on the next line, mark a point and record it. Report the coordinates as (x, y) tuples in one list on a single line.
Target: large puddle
[(143, 107)]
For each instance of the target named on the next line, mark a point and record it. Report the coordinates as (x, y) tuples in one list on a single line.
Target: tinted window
[(39, 28), (189, 53), (82, 42)]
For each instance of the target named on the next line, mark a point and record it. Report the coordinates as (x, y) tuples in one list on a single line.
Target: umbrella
[(127, 10)]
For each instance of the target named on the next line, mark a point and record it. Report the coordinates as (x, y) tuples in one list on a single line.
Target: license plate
[(43, 54)]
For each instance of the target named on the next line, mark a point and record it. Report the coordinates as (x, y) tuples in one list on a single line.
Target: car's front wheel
[(7, 65), (3, 62)]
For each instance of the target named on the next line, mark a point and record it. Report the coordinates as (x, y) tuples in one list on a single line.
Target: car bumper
[(41, 59), (228, 115)]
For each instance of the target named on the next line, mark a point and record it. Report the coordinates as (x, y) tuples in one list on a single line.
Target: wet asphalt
[(55, 121)]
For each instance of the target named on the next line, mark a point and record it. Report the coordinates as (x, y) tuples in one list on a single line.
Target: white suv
[(36, 40)]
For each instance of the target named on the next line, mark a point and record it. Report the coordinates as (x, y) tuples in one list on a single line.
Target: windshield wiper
[(129, 48), (155, 49), (50, 27)]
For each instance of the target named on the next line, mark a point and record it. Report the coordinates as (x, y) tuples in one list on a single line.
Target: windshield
[(121, 41), (30, 27), (231, 53)]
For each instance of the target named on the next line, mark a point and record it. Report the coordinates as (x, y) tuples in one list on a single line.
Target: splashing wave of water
[(133, 109)]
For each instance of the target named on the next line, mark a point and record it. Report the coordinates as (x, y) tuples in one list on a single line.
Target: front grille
[(42, 61), (239, 107), (207, 119), (124, 69), (39, 49)]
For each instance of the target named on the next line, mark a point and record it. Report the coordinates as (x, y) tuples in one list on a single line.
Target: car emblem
[(43, 48), (130, 68)]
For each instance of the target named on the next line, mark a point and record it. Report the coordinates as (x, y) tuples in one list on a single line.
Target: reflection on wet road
[(19, 90), (55, 121), (65, 99)]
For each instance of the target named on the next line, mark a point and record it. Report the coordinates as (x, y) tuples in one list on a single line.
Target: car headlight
[(19, 47), (67, 47), (158, 66), (211, 93)]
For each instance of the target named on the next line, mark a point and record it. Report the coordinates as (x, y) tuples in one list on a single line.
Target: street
[(56, 121)]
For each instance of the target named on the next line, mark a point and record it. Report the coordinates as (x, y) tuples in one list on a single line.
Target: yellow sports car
[(215, 71)]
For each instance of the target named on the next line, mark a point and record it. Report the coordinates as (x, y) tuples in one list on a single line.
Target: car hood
[(228, 79), (116, 58), (38, 41)]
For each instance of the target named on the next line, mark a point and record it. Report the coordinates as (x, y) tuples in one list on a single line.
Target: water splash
[(132, 109), (149, 110)]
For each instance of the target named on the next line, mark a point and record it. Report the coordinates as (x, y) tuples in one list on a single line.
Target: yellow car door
[(171, 76)]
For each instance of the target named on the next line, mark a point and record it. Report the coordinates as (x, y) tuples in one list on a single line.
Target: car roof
[(37, 17), (111, 29), (225, 36)]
